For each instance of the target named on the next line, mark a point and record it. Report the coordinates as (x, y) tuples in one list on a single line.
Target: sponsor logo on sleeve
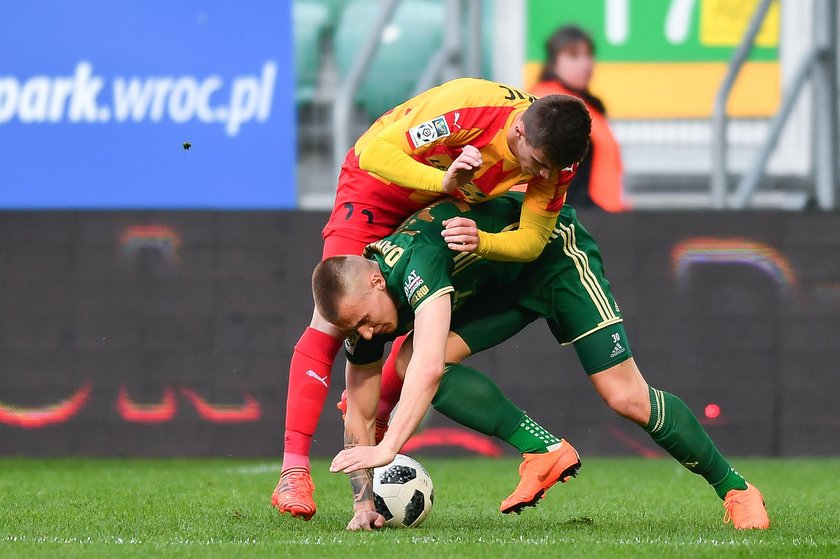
[(419, 294), (428, 132), (412, 284)]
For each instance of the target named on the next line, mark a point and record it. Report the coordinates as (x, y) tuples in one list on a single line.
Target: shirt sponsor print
[(412, 283), (421, 292)]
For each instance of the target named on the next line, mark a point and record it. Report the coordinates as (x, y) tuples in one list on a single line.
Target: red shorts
[(337, 245), (366, 209)]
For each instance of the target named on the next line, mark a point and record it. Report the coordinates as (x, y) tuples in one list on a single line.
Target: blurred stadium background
[(150, 295)]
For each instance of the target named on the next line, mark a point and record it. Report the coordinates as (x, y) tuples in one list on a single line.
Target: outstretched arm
[(523, 244), (520, 245), (362, 398), (386, 158), (422, 378), (537, 219)]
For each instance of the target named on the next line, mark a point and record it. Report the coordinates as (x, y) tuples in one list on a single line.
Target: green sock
[(673, 427), (473, 400), (530, 436)]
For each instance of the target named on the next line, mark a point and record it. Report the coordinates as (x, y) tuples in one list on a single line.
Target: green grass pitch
[(219, 508)]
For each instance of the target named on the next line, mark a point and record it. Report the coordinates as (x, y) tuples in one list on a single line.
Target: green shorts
[(566, 286)]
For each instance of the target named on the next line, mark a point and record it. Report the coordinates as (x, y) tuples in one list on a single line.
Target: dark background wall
[(170, 333)]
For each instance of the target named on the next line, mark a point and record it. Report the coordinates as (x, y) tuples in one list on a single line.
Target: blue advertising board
[(146, 104)]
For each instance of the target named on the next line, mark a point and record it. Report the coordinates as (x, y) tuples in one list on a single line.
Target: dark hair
[(559, 125), (559, 41), (329, 285)]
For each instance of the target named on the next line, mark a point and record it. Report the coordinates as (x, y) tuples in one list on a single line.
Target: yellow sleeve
[(389, 151), (520, 245), (384, 155)]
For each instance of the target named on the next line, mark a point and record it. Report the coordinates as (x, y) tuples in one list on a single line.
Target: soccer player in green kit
[(458, 304)]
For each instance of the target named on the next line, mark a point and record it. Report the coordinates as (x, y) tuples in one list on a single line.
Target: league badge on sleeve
[(428, 132)]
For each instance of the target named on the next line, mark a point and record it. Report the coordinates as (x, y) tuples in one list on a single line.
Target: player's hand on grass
[(366, 520), (460, 234), (462, 169), (361, 457)]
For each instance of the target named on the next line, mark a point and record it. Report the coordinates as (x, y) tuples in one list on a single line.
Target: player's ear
[(377, 281)]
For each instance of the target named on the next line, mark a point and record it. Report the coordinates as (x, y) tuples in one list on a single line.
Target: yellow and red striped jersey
[(413, 144)]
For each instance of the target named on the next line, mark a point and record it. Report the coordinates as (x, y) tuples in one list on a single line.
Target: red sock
[(309, 382), (389, 393)]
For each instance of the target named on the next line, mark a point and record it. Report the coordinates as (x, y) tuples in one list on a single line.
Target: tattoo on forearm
[(361, 481), (350, 440)]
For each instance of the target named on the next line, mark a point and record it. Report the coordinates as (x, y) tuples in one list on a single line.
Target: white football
[(403, 492)]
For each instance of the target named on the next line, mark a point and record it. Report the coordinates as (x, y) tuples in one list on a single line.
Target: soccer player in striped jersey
[(469, 139), (461, 304)]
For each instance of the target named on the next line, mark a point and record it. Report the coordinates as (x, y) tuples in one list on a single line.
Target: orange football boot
[(342, 404), (293, 494), (746, 509), (538, 472)]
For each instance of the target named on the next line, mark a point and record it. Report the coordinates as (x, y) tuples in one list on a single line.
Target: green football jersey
[(565, 285), (419, 267)]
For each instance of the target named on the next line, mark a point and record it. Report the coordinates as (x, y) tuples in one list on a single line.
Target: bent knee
[(456, 348), (630, 405), (625, 391)]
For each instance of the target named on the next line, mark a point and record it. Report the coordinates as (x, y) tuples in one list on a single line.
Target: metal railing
[(825, 105), (820, 65), (447, 63), (719, 186), (343, 104)]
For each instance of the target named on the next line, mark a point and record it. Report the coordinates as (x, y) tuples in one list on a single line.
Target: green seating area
[(407, 45), (311, 22)]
